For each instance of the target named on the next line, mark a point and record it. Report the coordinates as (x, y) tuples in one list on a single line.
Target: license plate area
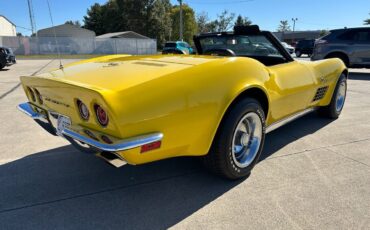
[(63, 123), (59, 122)]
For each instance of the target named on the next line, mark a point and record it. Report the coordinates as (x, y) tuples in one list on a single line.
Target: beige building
[(7, 28)]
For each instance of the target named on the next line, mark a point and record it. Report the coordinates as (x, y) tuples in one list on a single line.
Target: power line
[(23, 28)]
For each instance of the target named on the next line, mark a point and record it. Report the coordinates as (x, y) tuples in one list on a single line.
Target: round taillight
[(31, 93), (84, 111), (101, 115), (38, 96)]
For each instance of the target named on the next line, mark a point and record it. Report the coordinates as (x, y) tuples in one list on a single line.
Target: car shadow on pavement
[(291, 132), (65, 189), (3, 70)]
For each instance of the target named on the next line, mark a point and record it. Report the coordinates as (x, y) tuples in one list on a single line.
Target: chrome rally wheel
[(239, 140), (247, 140), (341, 95)]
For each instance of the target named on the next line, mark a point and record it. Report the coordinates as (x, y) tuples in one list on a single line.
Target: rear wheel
[(239, 141), (2, 61), (334, 109)]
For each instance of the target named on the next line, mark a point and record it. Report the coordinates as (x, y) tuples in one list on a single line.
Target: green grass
[(63, 56)]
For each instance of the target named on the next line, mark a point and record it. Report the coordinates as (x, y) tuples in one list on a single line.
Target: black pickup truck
[(7, 57)]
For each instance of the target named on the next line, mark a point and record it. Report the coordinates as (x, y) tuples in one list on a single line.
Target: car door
[(291, 88), (361, 47)]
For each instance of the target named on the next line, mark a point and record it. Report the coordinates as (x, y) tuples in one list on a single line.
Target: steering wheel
[(220, 52)]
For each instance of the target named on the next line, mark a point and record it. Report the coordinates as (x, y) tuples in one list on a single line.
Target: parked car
[(7, 57), (288, 47), (177, 47), (217, 105), (351, 45), (304, 47)]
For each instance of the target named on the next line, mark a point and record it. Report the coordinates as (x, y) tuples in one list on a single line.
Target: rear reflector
[(90, 134), (150, 146), (106, 139)]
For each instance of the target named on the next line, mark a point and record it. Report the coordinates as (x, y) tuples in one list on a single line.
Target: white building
[(7, 28)]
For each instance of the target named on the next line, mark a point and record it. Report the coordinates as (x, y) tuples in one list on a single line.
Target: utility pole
[(181, 24), (294, 20), (32, 17)]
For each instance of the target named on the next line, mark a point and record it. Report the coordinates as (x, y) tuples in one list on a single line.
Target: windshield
[(241, 45)]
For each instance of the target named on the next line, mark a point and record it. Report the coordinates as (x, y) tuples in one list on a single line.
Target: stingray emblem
[(323, 79), (56, 102), (111, 64)]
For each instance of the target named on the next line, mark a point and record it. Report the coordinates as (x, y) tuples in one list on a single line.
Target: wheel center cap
[(244, 140)]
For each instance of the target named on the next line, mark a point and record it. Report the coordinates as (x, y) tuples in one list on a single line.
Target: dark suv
[(7, 57), (304, 47), (351, 45)]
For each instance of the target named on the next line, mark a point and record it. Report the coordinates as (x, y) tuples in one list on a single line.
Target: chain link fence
[(73, 45)]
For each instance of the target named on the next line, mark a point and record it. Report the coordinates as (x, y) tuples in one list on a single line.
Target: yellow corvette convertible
[(218, 104)]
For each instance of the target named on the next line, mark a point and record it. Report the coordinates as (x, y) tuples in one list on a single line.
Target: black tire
[(2, 61), (298, 53), (331, 111), (220, 159), (341, 56)]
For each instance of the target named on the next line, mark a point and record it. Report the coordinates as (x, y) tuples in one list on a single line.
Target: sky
[(311, 14)]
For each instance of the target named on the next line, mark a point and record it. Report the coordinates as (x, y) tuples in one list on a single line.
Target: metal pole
[(294, 20), (181, 24)]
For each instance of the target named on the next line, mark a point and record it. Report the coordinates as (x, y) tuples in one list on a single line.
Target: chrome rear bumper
[(117, 145), (123, 144)]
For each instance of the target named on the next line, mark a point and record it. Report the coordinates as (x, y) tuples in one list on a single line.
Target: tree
[(240, 21), (367, 21), (284, 26), (19, 34), (323, 33), (75, 23), (94, 19), (203, 22), (190, 25), (151, 18), (224, 21), (159, 23)]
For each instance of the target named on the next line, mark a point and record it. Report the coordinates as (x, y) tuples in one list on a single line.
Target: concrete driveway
[(314, 174)]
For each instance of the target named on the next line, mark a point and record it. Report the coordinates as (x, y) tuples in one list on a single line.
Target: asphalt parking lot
[(314, 174)]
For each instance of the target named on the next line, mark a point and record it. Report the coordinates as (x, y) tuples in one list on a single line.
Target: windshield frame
[(268, 35)]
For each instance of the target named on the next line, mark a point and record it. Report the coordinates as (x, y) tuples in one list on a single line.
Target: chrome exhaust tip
[(112, 159)]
